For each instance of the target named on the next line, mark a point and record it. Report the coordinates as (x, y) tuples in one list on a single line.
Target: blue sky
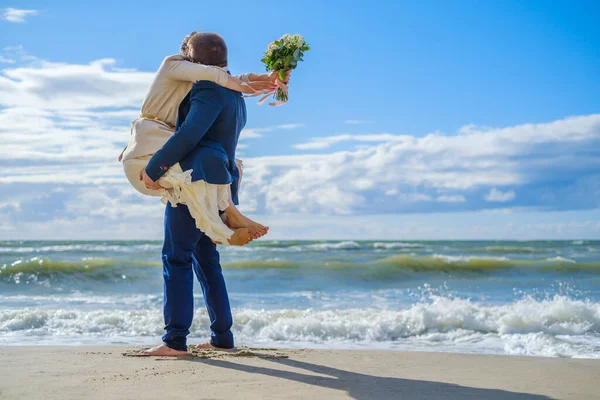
[(424, 120)]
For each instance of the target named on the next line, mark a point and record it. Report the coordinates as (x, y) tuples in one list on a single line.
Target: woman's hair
[(205, 48), (184, 50)]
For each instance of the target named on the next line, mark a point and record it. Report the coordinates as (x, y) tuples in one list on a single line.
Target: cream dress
[(156, 125)]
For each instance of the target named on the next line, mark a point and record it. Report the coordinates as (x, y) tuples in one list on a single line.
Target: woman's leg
[(204, 201), (234, 218)]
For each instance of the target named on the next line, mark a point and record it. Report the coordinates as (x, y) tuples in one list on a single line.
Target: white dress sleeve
[(183, 70), (244, 77)]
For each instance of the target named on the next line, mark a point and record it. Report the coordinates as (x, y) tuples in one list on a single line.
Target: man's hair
[(205, 48)]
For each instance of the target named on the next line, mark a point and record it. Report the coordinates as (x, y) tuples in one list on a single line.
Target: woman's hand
[(150, 184), (275, 74), (261, 86), (258, 84), (271, 77), (252, 87)]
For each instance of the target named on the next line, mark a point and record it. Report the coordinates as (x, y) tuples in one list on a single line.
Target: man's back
[(230, 121), (209, 124), (213, 159)]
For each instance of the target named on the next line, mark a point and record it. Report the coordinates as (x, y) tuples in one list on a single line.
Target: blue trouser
[(185, 249)]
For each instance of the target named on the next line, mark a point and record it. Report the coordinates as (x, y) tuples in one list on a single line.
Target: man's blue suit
[(208, 127)]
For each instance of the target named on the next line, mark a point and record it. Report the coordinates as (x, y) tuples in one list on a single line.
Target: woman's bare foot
[(164, 351), (237, 220), (242, 236), (208, 346)]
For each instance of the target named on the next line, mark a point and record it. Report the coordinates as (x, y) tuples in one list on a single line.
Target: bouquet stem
[(281, 95), (282, 75)]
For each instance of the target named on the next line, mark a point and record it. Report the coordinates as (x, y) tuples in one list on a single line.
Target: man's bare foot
[(242, 236), (237, 220), (208, 346), (164, 351)]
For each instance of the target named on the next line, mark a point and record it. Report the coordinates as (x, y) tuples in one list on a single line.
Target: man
[(208, 127)]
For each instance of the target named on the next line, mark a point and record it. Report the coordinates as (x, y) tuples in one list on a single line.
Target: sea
[(538, 298)]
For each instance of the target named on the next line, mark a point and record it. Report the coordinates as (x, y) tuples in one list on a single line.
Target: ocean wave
[(278, 243), (41, 270), (265, 264), (348, 245), (510, 249), (297, 246), (440, 262), (82, 248), (558, 326)]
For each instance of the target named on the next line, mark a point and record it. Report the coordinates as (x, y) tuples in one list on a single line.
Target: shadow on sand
[(368, 387)]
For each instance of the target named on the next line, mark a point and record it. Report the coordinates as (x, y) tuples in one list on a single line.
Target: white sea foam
[(561, 259), (348, 245), (555, 327), (461, 259), (83, 247), (395, 245)]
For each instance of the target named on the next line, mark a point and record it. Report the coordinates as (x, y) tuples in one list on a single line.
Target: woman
[(156, 125)]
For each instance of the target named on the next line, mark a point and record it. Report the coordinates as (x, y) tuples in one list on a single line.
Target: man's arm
[(204, 109)]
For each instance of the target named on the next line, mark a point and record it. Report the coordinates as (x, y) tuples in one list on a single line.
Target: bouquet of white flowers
[(283, 55)]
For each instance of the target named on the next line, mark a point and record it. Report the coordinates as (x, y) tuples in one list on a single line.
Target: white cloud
[(327, 141), (14, 204), (251, 133), (63, 125), (17, 15), (57, 86), (6, 60), (17, 53), (357, 121), (452, 199), (478, 225), (288, 126), (55, 114), (499, 196), (437, 166), (255, 133)]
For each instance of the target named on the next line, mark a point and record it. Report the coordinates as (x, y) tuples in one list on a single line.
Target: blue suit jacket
[(209, 123)]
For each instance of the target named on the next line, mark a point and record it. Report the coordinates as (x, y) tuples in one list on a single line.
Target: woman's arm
[(243, 77), (183, 70), (271, 76)]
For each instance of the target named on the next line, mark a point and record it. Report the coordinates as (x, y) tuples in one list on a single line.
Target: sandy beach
[(106, 372)]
